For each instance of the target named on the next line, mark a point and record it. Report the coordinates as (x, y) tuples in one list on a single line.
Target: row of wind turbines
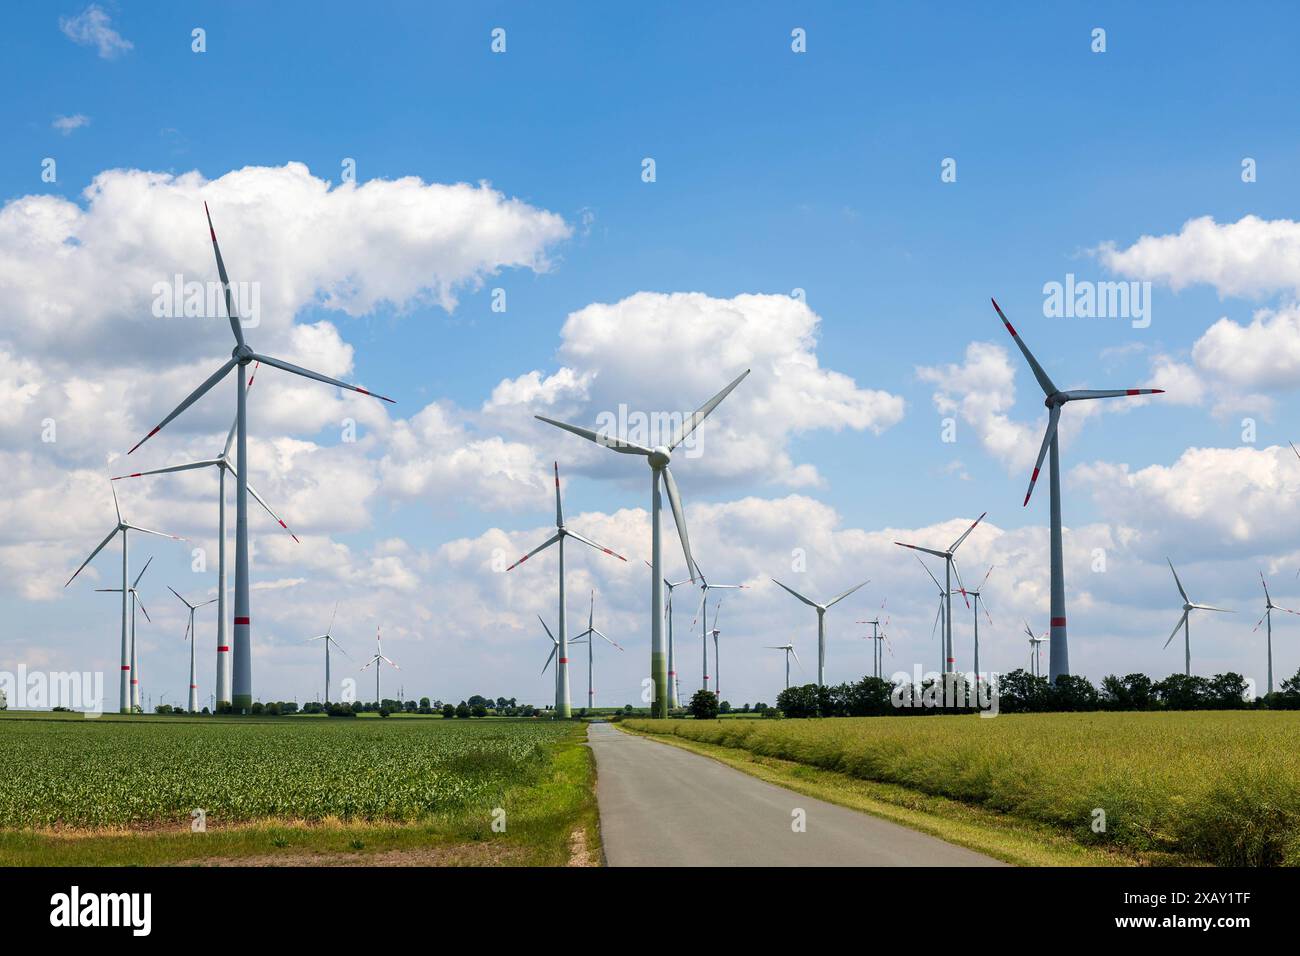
[(234, 678)]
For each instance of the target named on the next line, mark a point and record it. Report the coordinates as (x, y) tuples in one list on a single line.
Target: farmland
[(1212, 787), (62, 776)]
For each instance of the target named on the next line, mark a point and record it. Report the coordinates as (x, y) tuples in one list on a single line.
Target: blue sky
[(775, 171)]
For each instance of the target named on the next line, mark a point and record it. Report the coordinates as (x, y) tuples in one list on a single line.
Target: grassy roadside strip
[(1012, 840), (554, 822)]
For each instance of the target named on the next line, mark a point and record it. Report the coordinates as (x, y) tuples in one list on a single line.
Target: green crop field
[(63, 774), (1219, 787)]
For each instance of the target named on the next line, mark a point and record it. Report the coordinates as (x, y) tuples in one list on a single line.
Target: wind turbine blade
[(679, 516), (206, 603), (986, 577), (716, 611), (931, 573), (308, 373), (796, 658), (1176, 629), (601, 635), (956, 544), (795, 593), (187, 629), (1044, 382), (1186, 599), (190, 399), (190, 466), (1053, 419), (703, 411), (367, 664), (704, 596), (333, 614), (593, 544), (142, 571), (550, 657), (1029, 630), (116, 507), (141, 604), (1259, 622), (1087, 393), (225, 281), (541, 547), (1211, 607), (548, 632), (267, 508), (331, 640), (1267, 599), (960, 587), (559, 511), (390, 663), (182, 600), (917, 547), (98, 548), (833, 601), (161, 534), (616, 444)]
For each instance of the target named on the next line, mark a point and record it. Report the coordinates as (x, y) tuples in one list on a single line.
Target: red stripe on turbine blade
[(242, 620), (1133, 391), (1058, 622), (358, 388), (145, 438)]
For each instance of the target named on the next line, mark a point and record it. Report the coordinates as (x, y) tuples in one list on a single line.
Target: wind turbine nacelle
[(659, 457)]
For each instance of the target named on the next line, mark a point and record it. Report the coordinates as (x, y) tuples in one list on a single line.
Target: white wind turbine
[(379, 660), (789, 649), (127, 699), (561, 532), (950, 569), (717, 660), (222, 464), (978, 595), (1188, 608), (673, 696), (945, 596), (877, 636), (241, 356), (328, 638), (1269, 608), (1058, 657), (658, 459), (821, 610), (191, 635), (136, 601), (589, 636), (1035, 657), (702, 614)]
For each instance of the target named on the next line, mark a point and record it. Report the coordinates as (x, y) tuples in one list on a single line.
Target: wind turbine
[(877, 659), (658, 459), (821, 623), (945, 596), (128, 644), (191, 635), (379, 660), (561, 532), (702, 613), (1269, 608), (1058, 656), (950, 569), (136, 601), (1035, 662), (328, 638), (717, 661), (1188, 608), (222, 464), (789, 649), (590, 635), (241, 356), (673, 694), (978, 595)]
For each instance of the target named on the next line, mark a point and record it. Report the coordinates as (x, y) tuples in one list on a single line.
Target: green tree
[(448, 711), (799, 701), (704, 705), (462, 710), (1072, 692)]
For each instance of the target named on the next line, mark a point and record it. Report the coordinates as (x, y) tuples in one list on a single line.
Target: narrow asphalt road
[(664, 806)]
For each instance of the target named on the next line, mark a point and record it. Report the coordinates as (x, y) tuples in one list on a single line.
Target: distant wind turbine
[(191, 635), (945, 598), (1269, 608), (658, 459), (978, 595), (561, 532), (328, 638), (1035, 658), (821, 610), (125, 701), (702, 614), (1058, 657), (589, 636), (134, 667), (1188, 608), (241, 356), (379, 660), (950, 569), (876, 637), (789, 649)]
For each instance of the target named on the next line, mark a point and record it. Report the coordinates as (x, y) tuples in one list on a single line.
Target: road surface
[(664, 806)]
